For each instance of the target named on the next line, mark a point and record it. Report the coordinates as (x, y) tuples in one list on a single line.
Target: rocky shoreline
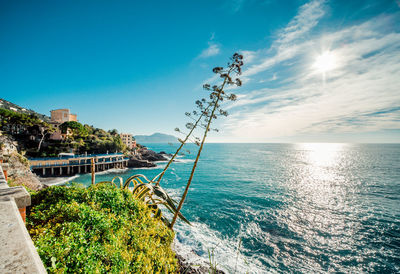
[(146, 158)]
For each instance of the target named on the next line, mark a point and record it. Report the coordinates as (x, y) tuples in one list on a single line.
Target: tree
[(14, 122), (73, 129), (45, 129)]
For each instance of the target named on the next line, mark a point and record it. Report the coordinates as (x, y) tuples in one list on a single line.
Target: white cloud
[(212, 50), (284, 47), (248, 56), (360, 95), (307, 18)]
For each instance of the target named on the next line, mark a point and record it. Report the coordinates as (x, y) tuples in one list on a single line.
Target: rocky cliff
[(17, 165)]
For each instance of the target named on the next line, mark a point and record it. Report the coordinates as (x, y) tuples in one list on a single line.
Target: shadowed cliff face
[(17, 165)]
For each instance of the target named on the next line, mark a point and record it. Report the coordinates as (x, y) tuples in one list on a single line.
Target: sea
[(285, 208)]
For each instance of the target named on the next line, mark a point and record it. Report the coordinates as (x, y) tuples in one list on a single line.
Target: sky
[(314, 71)]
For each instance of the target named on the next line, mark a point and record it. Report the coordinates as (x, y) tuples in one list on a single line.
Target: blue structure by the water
[(75, 156), (73, 164), (289, 207)]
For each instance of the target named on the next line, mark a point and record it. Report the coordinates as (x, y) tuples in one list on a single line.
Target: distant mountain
[(11, 106), (156, 138)]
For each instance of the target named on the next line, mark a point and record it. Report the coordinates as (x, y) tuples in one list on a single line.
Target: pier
[(76, 164)]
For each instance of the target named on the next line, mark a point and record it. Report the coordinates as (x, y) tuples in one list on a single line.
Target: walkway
[(77, 164)]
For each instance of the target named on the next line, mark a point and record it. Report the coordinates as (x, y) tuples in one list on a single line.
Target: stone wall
[(18, 254)]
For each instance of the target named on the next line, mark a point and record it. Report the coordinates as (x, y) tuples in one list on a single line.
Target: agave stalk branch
[(200, 149), (180, 147)]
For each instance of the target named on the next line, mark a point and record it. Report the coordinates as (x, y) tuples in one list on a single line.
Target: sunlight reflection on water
[(295, 207)]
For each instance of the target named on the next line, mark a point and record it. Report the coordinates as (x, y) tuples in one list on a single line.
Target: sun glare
[(325, 62)]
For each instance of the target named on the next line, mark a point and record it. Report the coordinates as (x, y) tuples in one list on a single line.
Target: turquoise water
[(288, 207)]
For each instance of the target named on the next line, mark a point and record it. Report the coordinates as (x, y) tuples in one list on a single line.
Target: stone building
[(59, 116), (128, 140), (62, 115)]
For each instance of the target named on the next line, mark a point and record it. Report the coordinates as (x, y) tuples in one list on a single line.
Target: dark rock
[(133, 162), (152, 156), (185, 267)]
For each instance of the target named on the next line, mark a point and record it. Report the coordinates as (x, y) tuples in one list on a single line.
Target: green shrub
[(101, 229)]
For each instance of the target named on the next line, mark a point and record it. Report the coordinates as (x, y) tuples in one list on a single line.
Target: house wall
[(58, 117), (128, 140)]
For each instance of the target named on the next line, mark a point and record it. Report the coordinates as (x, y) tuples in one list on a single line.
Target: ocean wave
[(57, 180), (113, 170), (177, 177), (198, 242), (149, 168), (183, 161)]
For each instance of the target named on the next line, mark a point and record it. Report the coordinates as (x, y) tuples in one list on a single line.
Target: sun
[(325, 62)]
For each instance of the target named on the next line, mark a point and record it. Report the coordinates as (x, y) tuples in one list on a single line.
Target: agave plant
[(208, 110), (149, 192)]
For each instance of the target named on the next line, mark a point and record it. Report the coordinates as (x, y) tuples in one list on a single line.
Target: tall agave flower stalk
[(158, 178), (150, 191), (209, 110)]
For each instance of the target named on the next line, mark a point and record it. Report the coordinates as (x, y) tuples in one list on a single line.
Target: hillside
[(25, 127), (13, 107), (156, 138)]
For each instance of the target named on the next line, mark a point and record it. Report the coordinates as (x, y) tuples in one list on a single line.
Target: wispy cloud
[(307, 18), (213, 49), (360, 95), (234, 5), (249, 56), (284, 48)]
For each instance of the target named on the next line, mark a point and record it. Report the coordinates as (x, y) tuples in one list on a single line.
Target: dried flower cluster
[(207, 110)]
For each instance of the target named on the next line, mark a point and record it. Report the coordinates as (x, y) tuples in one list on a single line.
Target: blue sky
[(315, 71)]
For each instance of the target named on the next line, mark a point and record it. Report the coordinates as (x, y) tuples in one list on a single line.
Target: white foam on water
[(113, 170), (195, 243), (177, 177), (60, 181), (183, 161), (149, 168)]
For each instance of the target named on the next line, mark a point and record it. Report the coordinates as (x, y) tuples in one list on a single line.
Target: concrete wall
[(17, 252)]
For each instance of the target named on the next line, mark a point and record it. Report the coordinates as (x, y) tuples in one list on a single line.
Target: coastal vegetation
[(15, 123), (153, 195), (100, 229), (86, 138), (33, 136)]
